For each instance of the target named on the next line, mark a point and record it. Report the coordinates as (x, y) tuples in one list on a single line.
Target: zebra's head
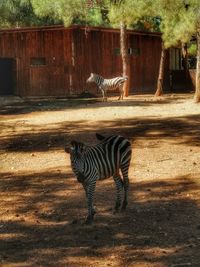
[(75, 148), (92, 78)]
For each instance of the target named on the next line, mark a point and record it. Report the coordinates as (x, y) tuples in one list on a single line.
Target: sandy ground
[(43, 207)]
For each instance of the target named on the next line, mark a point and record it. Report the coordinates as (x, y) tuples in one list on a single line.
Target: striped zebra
[(108, 158), (108, 84)]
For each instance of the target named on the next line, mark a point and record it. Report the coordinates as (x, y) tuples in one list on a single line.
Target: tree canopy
[(20, 13), (70, 11), (179, 19)]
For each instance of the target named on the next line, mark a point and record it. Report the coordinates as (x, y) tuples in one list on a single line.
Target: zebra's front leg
[(90, 194), (104, 97), (86, 193), (103, 93), (119, 187)]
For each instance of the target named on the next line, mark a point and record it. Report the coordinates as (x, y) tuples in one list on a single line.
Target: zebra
[(108, 158), (108, 84)]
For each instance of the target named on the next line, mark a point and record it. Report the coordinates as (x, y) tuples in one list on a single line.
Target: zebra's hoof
[(117, 207), (89, 220), (115, 211), (123, 208), (94, 211)]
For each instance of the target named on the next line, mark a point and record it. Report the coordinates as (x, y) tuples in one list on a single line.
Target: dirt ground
[(42, 207)]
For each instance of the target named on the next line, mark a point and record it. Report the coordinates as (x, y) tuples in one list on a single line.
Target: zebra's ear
[(67, 149), (74, 145), (77, 147), (71, 147)]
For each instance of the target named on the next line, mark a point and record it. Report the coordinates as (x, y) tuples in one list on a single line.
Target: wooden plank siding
[(65, 57)]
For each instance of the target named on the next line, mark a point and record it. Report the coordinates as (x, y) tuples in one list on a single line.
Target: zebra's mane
[(99, 76)]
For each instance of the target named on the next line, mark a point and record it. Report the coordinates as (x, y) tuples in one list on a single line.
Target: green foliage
[(180, 19), (192, 49), (96, 12), (68, 11), (149, 24), (62, 10), (93, 17), (18, 13), (129, 11)]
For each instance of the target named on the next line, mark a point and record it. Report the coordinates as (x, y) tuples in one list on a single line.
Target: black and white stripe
[(111, 157), (108, 84)]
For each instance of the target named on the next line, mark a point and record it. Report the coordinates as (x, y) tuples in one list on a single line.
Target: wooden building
[(56, 61)]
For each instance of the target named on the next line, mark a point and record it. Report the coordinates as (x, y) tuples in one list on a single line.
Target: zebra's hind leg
[(105, 96), (121, 92), (124, 171), (119, 187)]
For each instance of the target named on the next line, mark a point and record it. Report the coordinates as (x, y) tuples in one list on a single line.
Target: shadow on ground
[(42, 215), (182, 130), (40, 105)]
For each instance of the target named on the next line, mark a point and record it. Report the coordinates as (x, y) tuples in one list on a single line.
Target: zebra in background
[(108, 84), (108, 158)]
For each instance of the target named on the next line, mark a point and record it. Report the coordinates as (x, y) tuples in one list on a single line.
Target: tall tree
[(119, 7), (180, 21), (127, 13), (160, 79)]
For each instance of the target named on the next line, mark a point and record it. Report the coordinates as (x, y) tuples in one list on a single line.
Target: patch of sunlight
[(91, 261), (7, 236), (155, 133), (121, 236), (129, 255), (27, 161), (76, 256), (15, 264)]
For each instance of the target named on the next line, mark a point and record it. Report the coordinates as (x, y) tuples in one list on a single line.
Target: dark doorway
[(7, 76)]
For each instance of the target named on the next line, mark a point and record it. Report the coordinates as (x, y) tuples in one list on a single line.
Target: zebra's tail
[(100, 137)]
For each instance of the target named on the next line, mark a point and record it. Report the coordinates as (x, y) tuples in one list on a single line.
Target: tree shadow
[(30, 106), (160, 226), (180, 130), (42, 212)]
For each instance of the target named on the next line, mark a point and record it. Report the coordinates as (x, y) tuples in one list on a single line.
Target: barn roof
[(86, 28)]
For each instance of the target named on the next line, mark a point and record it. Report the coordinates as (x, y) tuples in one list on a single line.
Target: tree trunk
[(185, 57), (159, 89), (124, 55), (197, 88), (185, 63)]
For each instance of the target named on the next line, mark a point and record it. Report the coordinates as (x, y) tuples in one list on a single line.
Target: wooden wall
[(94, 52), (69, 55)]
